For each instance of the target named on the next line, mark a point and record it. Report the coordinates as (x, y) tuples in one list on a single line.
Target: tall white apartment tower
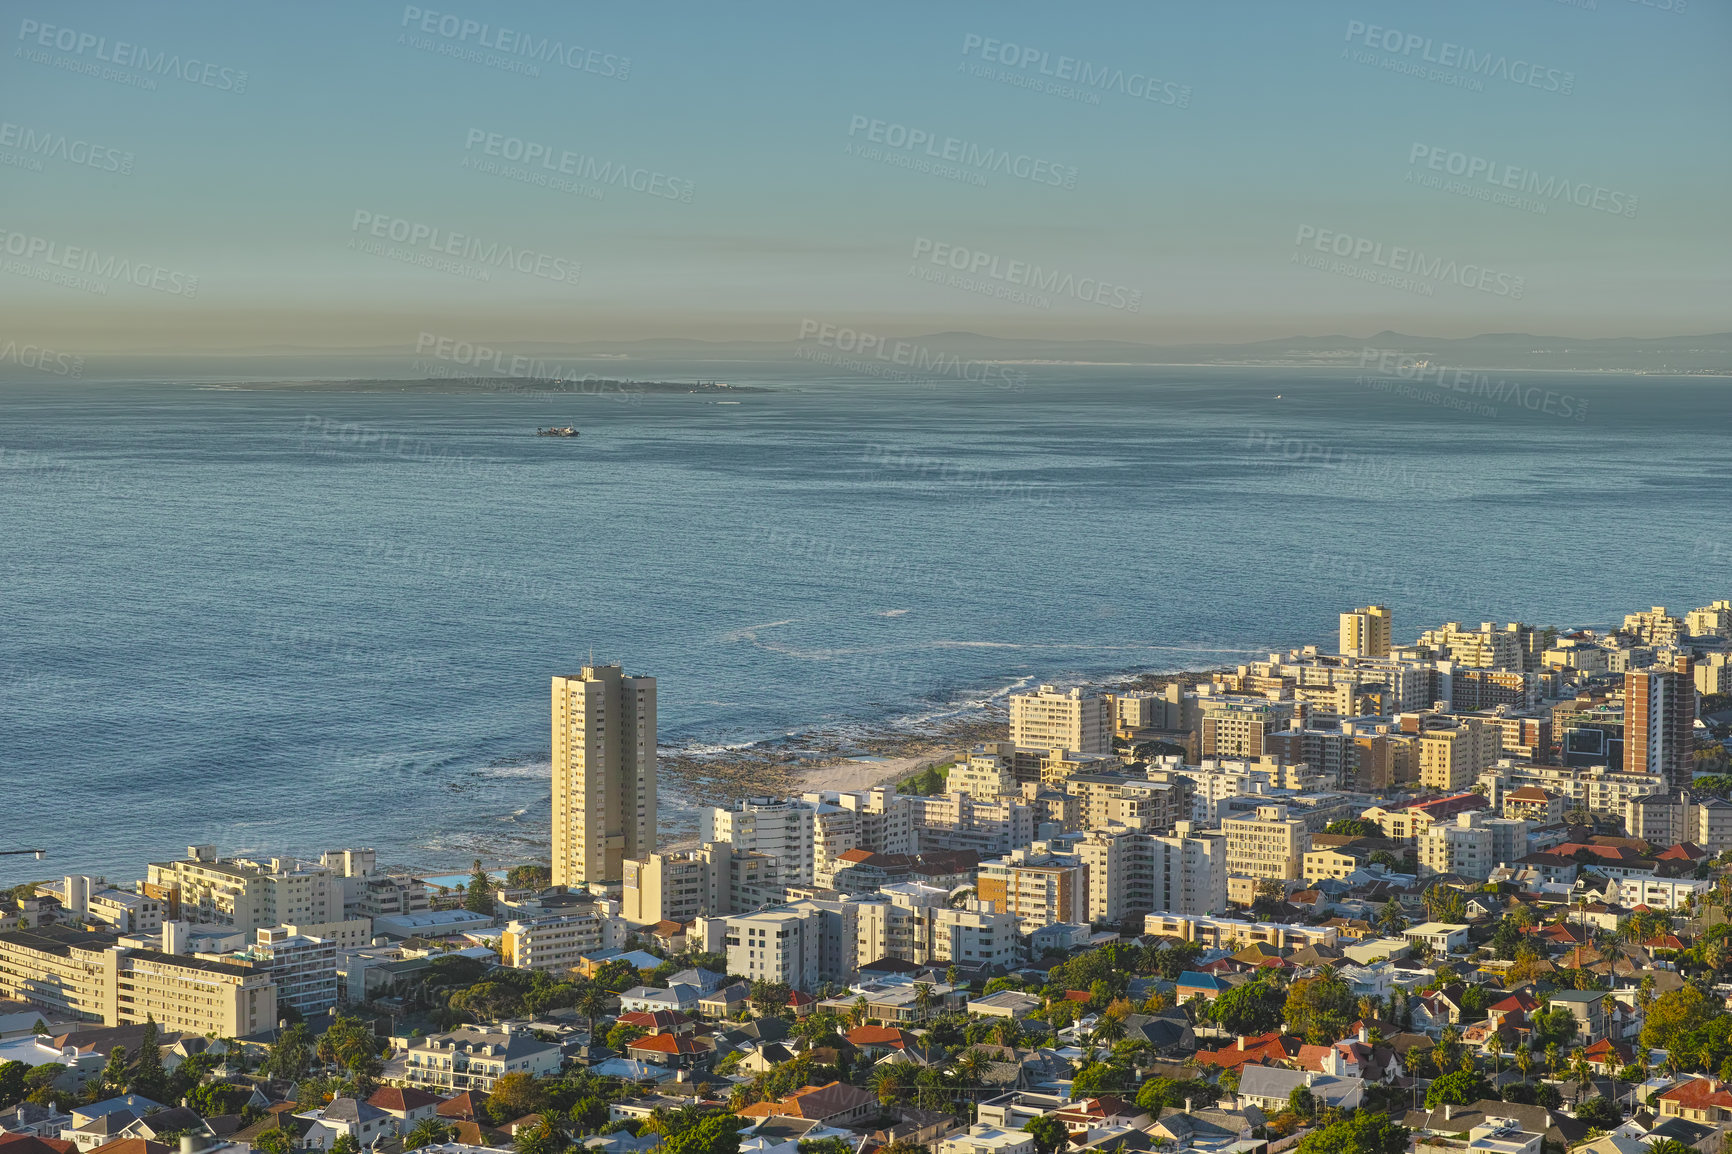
[(604, 774)]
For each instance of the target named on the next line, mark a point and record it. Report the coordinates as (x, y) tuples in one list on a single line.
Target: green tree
[(515, 1095), (592, 1004), (290, 1056), (147, 1073), (427, 1132), (1601, 1113), (1320, 1008), (351, 1045), (1302, 1102), (1391, 918), (540, 1138), (623, 1035), (1353, 827), (1253, 1008), (275, 1140), (1461, 1088), (346, 1144), (529, 877), (117, 1072), (717, 1134), (12, 1076), (1050, 1135), (478, 898), (1362, 1132)]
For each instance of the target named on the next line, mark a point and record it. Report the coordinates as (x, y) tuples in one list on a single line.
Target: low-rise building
[(471, 1058)]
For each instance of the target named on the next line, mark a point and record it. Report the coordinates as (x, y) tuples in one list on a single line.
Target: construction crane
[(16, 852)]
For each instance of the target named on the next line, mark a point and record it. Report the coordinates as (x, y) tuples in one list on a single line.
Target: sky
[(242, 177)]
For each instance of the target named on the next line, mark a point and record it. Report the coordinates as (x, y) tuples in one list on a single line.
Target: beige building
[(1487, 647), (553, 942), (1366, 632), (244, 894), (1078, 719), (472, 1058), (671, 887), (1655, 627), (1712, 620), (1131, 872), (1037, 890), (1471, 845), (985, 774), (1240, 726), (86, 977), (1531, 803), (1450, 759), (1268, 845), (1714, 674), (604, 773)]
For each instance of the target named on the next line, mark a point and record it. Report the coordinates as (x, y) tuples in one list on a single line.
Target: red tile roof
[(1699, 1094), (30, 1144), (1273, 1047), (877, 1036), (654, 1022), (401, 1099), (815, 1102), (669, 1044), (467, 1106)]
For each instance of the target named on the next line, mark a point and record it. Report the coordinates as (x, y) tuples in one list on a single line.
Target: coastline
[(818, 760)]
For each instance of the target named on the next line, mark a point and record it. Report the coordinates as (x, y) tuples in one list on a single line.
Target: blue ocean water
[(287, 621)]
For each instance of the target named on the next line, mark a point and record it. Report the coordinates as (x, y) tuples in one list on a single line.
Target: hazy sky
[(1229, 170)]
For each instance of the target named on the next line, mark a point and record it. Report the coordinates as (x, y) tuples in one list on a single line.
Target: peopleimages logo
[(124, 55), (1447, 54), (1410, 262), (81, 263), (901, 139), (463, 247), (1473, 385), (511, 43), (1082, 73), (985, 272), (58, 146), (1524, 181), (534, 154)]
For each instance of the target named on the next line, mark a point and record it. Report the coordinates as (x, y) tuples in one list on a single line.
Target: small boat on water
[(557, 431)]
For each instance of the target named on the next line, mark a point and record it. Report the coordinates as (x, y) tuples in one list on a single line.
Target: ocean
[(286, 621)]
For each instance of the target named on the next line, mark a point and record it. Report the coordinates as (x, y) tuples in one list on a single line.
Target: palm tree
[(592, 1004), (1579, 1068), (1495, 1045), (427, 1132), (1110, 1029), (1524, 1060), (1669, 1146), (1368, 1008), (1412, 1060), (857, 1012), (1551, 1057), (971, 1070), (923, 999)]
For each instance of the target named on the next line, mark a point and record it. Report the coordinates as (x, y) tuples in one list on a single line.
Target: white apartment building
[(777, 945), (1131, 872), (101, 906), (1472, 845), (960, 821), (1267, 845), (915, 923), (884, 819), (304, 968), (1079, 719), (243, 894), (1597, 788), (472, 1059), (781, 829), (985, 775), (1661, 893), (554, 942), (1488, 647)]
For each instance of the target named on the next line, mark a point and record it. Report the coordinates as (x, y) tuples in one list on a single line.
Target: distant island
[(591, 386)]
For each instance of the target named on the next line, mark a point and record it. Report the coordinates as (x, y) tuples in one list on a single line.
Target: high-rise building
[(1132, 872), (1449, 758), (1078, 719), (1267, 845), (604, 773), (1238, 726), (1039, 889), (1711, 620), (1365, 632), (779, 827), (1488, 647), (1659, 722)]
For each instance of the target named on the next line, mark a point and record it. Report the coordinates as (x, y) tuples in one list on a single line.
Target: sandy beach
[(855, 774)]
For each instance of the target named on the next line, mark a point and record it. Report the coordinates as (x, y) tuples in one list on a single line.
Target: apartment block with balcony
[(1269, 844), (470, 1059)]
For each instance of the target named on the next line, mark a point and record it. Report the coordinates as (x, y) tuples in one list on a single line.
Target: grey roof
[(516, 1044), (109, 1124), (1279, 1082), (350, 1110)]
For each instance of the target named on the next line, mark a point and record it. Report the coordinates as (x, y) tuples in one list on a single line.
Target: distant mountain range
[(1707, 353), (673, 359)]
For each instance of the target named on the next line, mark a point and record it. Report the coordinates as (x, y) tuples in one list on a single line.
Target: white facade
[(1078, 719), (778, 945), (780, 829)]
